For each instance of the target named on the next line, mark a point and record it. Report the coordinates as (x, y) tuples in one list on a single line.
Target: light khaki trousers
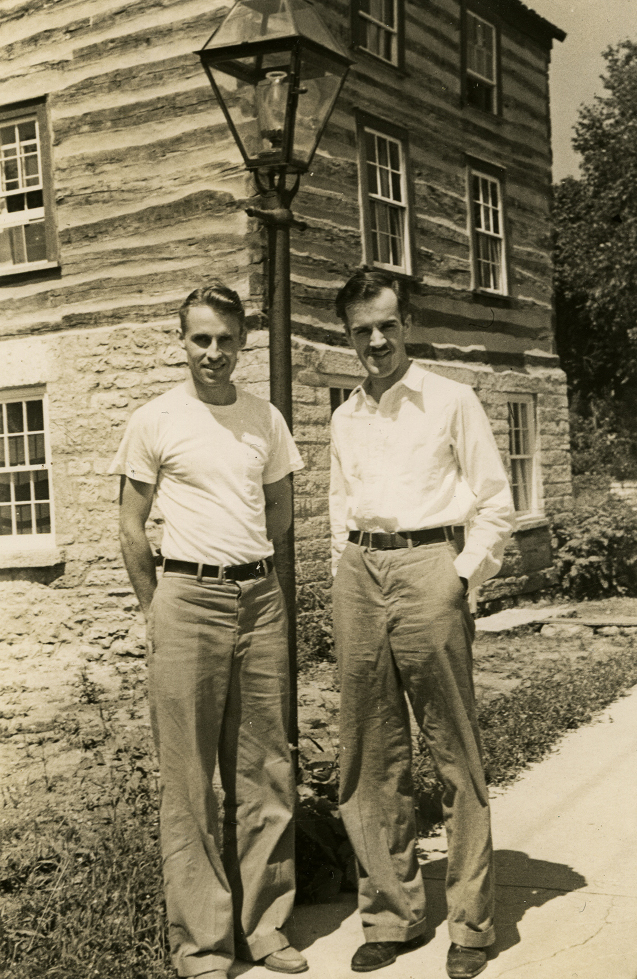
[(218, 685), (402, 626)]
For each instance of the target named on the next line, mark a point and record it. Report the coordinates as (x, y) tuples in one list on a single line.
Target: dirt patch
[(74, 712)]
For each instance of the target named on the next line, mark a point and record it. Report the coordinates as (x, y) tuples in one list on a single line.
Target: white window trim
[(534, 516), (366, 197), (474, 232), (386, 29), (16, 545), (494, 64), (11, 115)]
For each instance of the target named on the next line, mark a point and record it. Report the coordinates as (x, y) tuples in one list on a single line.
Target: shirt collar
[(412, 378)]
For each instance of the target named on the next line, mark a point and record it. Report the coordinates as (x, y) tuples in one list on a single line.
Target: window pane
[(396, 189), (1, 421), (16, 450), (35, 199), (35, 416), (384, 182), (36, 450), (43, 518), (22, 487), (23, 522), (35, 241), (5, 521), (7, 135), (41, 485), (383, 157), (27, 130), (5, 488), (372, 182), (15, 417), (15, 203)]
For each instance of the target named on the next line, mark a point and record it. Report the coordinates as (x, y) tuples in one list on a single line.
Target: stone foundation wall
[(95, 379)]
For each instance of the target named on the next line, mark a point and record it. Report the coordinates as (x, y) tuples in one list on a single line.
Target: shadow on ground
[(521, 883)]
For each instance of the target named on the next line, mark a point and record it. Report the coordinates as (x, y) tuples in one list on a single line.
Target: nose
[(377, 339), (213, 352)]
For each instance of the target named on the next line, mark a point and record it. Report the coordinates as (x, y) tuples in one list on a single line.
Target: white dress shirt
[(423, 456)]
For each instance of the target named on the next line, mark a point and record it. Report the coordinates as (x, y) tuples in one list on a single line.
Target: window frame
[(532, 483), (496, 175), (16, 541), (370, 124), (38, 110), (358, 15), (468, 74)]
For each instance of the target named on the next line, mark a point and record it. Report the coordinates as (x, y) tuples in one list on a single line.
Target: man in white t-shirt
[(219, 461)]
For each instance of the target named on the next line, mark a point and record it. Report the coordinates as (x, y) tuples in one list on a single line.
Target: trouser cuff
[(461, 935), (190, 969), (258, 948), (397, 933)]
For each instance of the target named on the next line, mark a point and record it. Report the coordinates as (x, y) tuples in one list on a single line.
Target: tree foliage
[(596, 241)]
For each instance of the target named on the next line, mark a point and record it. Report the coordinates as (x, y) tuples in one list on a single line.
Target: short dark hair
[(216, 295), (367, 284)]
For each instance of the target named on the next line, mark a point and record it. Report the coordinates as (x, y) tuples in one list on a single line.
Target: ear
[(348, 334), (243, 336), (407, 324)]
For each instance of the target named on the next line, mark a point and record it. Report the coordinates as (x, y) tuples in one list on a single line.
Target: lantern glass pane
[(255, 95), (319, 86)]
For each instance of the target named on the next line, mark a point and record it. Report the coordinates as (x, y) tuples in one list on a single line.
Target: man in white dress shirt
[(413, 456), (219, 460)]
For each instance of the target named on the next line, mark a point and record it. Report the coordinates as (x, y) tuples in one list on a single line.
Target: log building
[(122, 191)]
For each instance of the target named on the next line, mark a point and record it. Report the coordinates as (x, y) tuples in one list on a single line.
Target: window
[(377, 27), (481, 57), (25, 470), (487, 233), (27, 227), (338, 396), (522, 451), (384, 197)]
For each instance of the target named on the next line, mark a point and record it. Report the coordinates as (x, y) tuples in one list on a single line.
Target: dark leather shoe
[(464, 963), (376, 955)]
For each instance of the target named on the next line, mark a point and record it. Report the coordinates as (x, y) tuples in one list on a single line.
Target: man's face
[(377, 334), (212, 341)]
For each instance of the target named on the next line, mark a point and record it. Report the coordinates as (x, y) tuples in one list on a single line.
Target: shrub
[(315, 639), (603, 438), (596, 551)]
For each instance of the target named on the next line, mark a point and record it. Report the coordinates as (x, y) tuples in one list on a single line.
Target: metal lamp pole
[(275, 214)]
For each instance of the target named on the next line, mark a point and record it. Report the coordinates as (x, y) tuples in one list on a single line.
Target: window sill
[(40, 555), (26, 272), (371, 59), (485, 298), (530, 521)]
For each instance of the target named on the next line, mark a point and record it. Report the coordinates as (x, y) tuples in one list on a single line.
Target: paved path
[(566, 851)]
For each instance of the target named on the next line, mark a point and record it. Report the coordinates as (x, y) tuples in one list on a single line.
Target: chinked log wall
[(150, 193)]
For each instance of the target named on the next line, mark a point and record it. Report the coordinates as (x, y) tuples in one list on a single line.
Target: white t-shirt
[(209, 464)]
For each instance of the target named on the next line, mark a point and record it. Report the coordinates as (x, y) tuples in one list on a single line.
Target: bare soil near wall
[(74, 724)]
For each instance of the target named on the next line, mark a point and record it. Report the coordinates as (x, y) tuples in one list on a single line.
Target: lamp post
[(276, 72)]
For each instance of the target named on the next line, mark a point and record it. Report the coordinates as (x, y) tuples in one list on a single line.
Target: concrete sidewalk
[(566, 856)]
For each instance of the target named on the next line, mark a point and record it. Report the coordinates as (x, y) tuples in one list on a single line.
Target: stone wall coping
[(31, 556)]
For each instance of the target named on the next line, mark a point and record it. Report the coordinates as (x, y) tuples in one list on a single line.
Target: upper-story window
[(384, 195), (481, 56), (26, 507), (487, 233), (377, 27), (27, 224)]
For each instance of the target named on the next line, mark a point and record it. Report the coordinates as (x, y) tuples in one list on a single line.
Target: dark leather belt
[(235, 572), (388, 542)]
